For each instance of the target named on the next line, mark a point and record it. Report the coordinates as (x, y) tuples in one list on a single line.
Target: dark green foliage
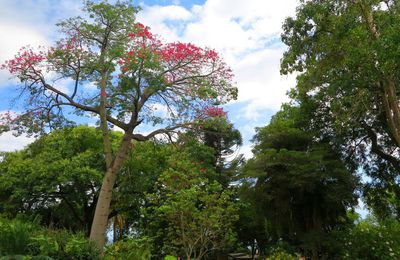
[(368, 239), (346, 53), (15, 236), (299, 186), (217, 135), (137, 178), (61, 244)]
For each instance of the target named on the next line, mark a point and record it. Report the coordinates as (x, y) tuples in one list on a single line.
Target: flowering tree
[(121, 73), (196, 214)]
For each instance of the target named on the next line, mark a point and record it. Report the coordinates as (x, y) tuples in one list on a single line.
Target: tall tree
[(134, 73), (215, 131), (349, 49), (302, 187), (347, 57)]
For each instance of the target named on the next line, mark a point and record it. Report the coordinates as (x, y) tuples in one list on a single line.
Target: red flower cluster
[(181, 51), (69, 44), (24, 60), (215, 112), (141, 31)]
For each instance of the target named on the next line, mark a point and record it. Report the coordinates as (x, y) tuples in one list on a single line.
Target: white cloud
[(235, 26), (246, 151), (30, 22), (247, 35), (160, 110), (259, 79), (171, 12), (92, 85), (159, 18), (15, 36), (10, 143)]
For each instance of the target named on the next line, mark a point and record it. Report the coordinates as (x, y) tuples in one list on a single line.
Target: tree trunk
[(390, 99), (100, 220), (392, 109)]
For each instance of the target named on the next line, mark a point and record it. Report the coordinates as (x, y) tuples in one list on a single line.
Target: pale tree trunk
[(388, 85), (113, 165), (100, 220)]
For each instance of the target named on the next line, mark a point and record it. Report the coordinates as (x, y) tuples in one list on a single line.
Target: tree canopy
[(347, 58), (160, 175), (298, 184), (134, 72)]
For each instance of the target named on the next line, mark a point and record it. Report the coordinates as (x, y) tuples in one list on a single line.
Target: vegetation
[(134, 72), (28, 239), (82, 192)]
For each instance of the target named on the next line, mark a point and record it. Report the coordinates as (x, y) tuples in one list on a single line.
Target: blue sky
[(246, 33)]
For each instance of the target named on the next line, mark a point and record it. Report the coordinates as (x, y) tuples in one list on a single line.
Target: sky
[(245, 33)]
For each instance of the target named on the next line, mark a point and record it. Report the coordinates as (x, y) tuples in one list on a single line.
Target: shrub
[(130, 248), (79, 247), (372, 240), (170, 257), (28, 241), (15, 236), (281, 255), (62, 244)]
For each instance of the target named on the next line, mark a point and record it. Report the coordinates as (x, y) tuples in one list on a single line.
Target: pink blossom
[(214, 112)]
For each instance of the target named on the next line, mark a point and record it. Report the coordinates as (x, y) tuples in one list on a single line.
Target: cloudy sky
[(246, 33)]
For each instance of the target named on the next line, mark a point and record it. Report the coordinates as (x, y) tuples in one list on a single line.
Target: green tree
[(137, 178), (216, 132), (300, 184), (134, 73), (57, 178), (348, 49), (191, 215), (346, 55)]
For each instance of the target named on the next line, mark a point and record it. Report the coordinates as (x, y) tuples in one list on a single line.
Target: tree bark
[(113, 165), (390, 99), (392, 110), (100, 220)]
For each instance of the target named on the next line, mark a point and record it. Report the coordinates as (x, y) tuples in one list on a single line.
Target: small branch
[(377, 149), (140, 137)]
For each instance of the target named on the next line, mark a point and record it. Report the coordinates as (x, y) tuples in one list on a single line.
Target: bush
[(170, 257), (281, 255), (281, 249), (62, 244), (79, 247), (28, 241), (15, 236), (372, 240), (44, 245), (130, 248)]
